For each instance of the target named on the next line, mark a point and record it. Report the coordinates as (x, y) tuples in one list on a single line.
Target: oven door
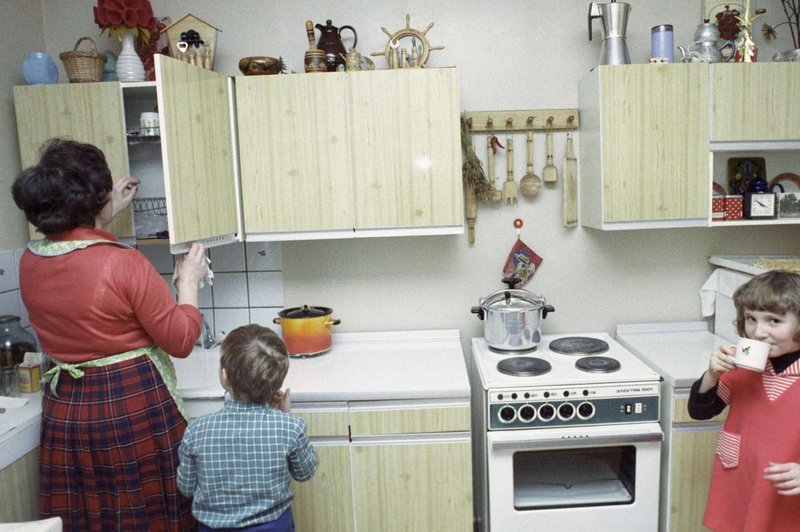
[(583, 478)]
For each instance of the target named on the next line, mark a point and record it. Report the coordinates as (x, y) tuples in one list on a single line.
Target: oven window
[(574, 477)]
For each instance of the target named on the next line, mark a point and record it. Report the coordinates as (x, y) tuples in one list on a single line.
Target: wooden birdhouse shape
[(193, 40)]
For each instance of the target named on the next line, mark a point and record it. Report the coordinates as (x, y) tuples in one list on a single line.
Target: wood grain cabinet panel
[(325, 503), (409, 420), (755, 102), (691, 462), (19, 489)]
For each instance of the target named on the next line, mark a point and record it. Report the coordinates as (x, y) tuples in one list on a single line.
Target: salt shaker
[(661, 42)]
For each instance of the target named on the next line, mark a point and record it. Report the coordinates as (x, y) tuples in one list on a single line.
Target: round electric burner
[(523, 366), (597, 364), (578, 345), (518, 352)]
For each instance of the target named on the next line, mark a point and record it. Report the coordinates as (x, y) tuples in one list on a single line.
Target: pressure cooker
[(512, 317)]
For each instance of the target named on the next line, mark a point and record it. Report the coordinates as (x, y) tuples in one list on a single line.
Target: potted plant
[(128, 20), (791, 8)]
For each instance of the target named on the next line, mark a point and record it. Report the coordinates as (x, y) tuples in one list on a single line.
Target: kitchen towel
[(721, 282), (208, 279)]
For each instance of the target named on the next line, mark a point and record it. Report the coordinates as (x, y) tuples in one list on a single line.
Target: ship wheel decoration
[(419, 53)]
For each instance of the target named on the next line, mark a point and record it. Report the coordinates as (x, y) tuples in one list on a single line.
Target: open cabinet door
[(197, 147), (84, 112)]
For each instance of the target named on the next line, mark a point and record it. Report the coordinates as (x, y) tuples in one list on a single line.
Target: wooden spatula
[(510, 186), (549, 172), (570, 206)]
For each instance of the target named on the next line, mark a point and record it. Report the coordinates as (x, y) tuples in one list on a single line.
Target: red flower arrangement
[(121, 16)]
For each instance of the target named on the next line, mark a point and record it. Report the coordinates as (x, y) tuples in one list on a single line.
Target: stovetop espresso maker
[(614, 17)]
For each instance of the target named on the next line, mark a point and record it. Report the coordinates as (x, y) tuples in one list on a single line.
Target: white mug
[(148, 125), (751, 354)]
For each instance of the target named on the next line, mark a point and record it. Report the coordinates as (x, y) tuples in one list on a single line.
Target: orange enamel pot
[(307, 331)]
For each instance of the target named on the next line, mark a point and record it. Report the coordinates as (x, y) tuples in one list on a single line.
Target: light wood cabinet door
[(19, 489), (197, 152), (325, 503), (295, 153), (84, 112), (691, 461), (405, 484), (408, 419), (406, 148), (644, 145), (755, 101)]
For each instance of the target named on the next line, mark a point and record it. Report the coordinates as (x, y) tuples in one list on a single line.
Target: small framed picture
[(789, 205)]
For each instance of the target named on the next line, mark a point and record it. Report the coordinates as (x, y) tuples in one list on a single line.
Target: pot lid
[(513, 300), (305, 311)]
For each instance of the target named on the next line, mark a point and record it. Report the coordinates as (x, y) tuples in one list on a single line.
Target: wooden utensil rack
[(523, 120)]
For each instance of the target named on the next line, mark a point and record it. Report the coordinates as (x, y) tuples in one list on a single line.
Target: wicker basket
[(83, 67)]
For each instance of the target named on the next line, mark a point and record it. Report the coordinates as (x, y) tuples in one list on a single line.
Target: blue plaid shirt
[(237, 464)]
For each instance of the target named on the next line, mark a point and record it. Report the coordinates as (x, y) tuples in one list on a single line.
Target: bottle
[(14, 341), (662, 43)]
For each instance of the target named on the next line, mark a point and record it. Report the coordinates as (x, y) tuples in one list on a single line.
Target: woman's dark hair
[(67, 189), (256, 362)]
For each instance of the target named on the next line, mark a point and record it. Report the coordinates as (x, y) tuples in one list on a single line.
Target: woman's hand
[(721, 361), (191, 269), (784, 477), (281, 401), (122, 194)]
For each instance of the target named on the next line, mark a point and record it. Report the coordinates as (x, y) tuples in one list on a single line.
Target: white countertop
[(360, 367), (19, 426), (678, 351)]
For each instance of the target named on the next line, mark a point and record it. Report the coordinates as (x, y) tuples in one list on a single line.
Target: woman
[(111, 422)]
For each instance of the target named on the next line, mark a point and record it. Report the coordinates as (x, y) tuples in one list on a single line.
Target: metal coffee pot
[(704, 48), (614, 17)]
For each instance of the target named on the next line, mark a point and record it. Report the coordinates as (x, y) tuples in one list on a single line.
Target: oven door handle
[(590, 441)]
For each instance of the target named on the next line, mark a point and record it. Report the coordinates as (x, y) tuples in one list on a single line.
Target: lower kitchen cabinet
[(325, 503), (19, 489)]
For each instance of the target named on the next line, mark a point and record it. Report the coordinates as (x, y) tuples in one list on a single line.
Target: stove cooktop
[(565, 368)]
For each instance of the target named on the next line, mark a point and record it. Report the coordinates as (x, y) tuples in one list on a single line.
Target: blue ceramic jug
[(39, 68)]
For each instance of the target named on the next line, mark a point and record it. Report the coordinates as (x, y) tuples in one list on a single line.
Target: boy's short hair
[(256, 361), (775, 291)]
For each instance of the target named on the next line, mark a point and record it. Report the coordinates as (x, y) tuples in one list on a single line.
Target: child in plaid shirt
[(237, 463)]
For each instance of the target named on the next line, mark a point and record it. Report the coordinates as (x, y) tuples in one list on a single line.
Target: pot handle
[(335, 321), (547, 309), (276, 321), (478, 311)]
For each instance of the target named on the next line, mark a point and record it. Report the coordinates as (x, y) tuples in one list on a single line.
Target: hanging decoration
[(522, 261)]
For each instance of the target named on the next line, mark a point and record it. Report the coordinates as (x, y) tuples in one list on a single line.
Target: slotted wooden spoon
[(510, 186), (530, 183), (549, 172)]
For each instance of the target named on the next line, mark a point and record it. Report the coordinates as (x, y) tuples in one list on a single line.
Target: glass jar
[(14, 341)]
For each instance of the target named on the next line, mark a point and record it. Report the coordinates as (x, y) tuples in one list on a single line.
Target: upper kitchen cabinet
[(86, 112), (190, 168), (644, 146), (339, 155), (755, 102)]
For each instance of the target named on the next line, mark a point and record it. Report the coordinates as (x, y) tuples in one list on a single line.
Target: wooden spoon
[(510, 186), (549, 172), (530, 184)]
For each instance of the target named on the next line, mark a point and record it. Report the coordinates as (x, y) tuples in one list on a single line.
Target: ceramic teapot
[(704, 48), (330, 41)]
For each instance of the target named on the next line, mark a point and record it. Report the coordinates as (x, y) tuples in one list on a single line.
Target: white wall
[(516, 54)]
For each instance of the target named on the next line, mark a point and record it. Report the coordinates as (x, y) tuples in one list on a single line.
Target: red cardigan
[(763, 426), (102, 300)]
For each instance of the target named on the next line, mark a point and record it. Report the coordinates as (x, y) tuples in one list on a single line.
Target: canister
[(662, 43)]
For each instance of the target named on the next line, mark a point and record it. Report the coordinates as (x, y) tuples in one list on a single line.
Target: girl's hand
[(281, 401), (122, 194), (784, 477), (721, 361)]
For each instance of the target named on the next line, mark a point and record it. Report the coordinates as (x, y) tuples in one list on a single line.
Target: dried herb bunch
[(471, 169), (791, 8)]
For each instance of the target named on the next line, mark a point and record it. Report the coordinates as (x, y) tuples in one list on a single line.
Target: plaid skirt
[(109, 451)]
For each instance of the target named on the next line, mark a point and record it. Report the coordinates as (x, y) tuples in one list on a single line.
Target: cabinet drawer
[(323, 420), (409, 419), (680, 413)]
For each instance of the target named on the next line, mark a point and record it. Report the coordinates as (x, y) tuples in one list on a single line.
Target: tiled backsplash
[(247, 288)]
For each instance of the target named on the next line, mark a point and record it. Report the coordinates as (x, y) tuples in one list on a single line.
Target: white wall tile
[(228, 258), (263, 256), (23, 312), (9, 303), (264, 316), (230, 290), (266, 289), (227, 319), (9, 280), (160, 256)]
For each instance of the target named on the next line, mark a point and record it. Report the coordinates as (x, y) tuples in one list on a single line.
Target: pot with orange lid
[(307, 330)]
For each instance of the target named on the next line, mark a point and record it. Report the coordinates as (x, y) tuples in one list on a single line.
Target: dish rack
[(150, 217)]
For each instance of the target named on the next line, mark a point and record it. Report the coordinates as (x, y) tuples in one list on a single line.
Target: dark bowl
[(258, 65)]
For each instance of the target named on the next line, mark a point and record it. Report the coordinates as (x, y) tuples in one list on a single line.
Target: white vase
[(129, 65)]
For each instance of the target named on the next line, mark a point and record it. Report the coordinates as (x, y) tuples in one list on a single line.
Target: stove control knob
[(566, 411), (526, 413), (506, 414), (586, 410), (547, 412)]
